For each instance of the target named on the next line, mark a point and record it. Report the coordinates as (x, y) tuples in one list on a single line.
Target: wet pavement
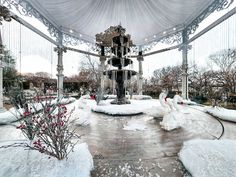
[(152, 152)]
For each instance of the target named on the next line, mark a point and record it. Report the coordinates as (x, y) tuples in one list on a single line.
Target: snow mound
[(222, 113), (209, 158), (172, 120), (81, 117), (8, 116), (110, 96), (86, 97), (19, 162), (80, 112), (135, 127), (117, 110), (141, 97), (82, 103), (136, 107), (189, 102), (64, 100), (13, 114), (113, 109)]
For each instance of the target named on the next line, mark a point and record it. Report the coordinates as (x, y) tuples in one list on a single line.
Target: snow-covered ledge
[(135, 108), (19, 162), (209, 158)]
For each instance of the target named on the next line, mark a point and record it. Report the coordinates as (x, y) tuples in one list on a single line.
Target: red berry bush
[(45, 121)]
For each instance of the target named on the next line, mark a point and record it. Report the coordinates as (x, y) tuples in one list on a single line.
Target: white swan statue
[(159, 111), (174, 119)]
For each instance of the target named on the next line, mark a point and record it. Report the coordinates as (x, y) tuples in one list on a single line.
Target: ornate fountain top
[(106, 38)]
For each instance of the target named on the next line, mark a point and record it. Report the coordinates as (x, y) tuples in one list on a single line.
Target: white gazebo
[(72, 22)]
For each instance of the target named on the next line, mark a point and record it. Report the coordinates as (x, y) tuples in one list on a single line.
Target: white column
[(102, 69), (4, 15), (140, 74), (1, 83), (1, 74), (60, 75), (185, 49)]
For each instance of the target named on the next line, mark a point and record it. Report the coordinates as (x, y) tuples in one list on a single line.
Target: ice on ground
[(222, 113), (209, 158), (135, 127), (18, 162), (172, 120)]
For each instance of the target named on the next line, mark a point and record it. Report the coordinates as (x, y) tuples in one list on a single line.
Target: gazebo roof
[(144, 20)]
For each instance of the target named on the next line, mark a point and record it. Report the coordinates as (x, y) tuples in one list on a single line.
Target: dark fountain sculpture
[(119, 44)]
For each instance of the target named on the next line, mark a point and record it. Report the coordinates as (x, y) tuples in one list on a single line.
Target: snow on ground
[(110, 96), (136, 107), (222, 113), (81, 111), (141, 97), (65, 100), (12, 114), (10, 133), (8, 116), (135, 127), (80, 117), (85, 102), (134, 97), (209, 158), (188, 102), (18, 162)]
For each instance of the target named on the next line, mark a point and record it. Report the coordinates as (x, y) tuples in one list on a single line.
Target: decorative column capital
[(60, 49), (102, 58), (185, 47), (5, 14), (1, 60), (140, 56), (60, 68)]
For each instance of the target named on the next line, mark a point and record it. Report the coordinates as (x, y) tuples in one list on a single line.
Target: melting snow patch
[(209, 158)]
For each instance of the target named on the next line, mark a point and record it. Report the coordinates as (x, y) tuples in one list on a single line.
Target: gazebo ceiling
[(143, 19)]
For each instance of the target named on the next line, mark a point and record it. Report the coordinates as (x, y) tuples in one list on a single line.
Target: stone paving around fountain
[(130, 146), (138, 146)]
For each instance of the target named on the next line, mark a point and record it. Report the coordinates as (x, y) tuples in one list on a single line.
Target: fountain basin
[(120, 74), (114, 61)]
